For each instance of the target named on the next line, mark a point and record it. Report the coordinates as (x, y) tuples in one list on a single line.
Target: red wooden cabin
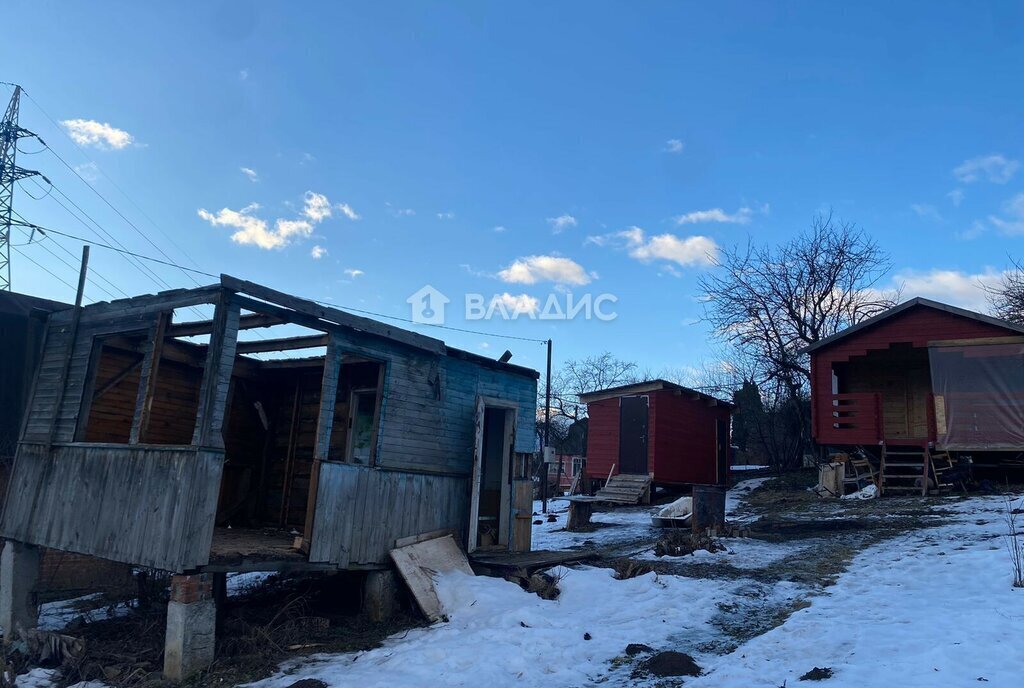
[(677, 435), (921, 377)]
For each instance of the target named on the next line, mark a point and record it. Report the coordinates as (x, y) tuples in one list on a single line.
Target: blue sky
[(615, 145)]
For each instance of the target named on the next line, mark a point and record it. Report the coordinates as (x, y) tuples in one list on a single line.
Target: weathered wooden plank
[(361, 511), (217, 375), (144, 505), (325, 421), (334, 315), (148, 377)]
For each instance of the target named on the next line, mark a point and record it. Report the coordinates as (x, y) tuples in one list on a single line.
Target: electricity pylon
[(10, 132)]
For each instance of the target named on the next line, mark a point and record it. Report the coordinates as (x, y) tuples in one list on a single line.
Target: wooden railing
[(855, 418)]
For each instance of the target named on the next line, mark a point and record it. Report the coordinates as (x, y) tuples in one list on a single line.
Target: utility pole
[(10, 132)]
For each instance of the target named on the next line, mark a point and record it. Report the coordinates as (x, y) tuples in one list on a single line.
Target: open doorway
[(490, 508)]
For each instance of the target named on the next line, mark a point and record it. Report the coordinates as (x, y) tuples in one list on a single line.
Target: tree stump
[(580, 512)]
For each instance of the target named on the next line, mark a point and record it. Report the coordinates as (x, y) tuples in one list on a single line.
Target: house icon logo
[(427, 306)]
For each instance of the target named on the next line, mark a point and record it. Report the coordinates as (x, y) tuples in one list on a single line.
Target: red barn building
[(677, 435), (921, 380)]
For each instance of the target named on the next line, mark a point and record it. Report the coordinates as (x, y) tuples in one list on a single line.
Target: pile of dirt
[(544, 585), (677, 543), (668, 663), (817, 674)]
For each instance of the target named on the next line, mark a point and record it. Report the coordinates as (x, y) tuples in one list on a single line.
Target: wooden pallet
[(626, 488)]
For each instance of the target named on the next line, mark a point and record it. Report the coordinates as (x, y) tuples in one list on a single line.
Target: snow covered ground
[(933, 607), (619, 527), (930, 608)]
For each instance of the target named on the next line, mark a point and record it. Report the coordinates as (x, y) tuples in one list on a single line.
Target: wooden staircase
[(910, 469), (626, 488)]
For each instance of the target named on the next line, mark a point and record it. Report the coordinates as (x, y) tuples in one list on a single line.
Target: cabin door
[(722, 451), (491, 501), (633, 435)]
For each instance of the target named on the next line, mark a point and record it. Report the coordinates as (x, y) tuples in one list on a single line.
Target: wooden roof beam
[(246, 322), (333, 315), (284, 344)]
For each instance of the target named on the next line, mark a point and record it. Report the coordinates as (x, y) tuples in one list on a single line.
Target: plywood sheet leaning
[(419, 566)]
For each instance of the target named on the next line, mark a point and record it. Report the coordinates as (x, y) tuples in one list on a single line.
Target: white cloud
[(250, 230), (449, 215), (976, 229), (949, 286), (353, 272), (87, 132), (485, 345), (400, 212), (674, 146), (255, 231), (347, 210), (685, 251), (995, 168), (926, 211), (1012, 221), (243, 74), (317, 252), (316, 207), (533, 269), (515, 304), (250, 173), (500, 228), (562, 222), (740, 217), (956, 196), (88, 171)]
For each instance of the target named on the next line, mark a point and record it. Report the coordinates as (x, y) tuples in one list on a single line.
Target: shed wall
[(684, 443)]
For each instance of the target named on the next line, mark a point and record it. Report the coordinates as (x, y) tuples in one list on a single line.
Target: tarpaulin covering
[(979, 396)]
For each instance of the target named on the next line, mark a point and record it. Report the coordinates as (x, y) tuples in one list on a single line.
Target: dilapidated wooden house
[(196, 446)]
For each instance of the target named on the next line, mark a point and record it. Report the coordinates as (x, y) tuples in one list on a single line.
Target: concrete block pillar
[(380, 595), (19, 571), (191, 626)]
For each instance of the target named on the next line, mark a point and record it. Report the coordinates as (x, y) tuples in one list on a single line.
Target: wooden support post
[(75, 318), (324, 425), (148, 376), (220, 360)]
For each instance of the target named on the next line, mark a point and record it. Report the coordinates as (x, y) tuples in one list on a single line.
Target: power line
[(47, 230), (72, 267), (84, 240), (99, 231), (114, 183), (92, 271), (46, 270)]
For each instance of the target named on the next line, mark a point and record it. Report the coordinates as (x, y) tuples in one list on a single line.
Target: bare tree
[(769, 303), (573, 378), (766, 304), (1007, 297)]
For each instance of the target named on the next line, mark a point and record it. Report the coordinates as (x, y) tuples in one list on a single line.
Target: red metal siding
[(602, 437), (681, 438), (684, 439), (916, 326)]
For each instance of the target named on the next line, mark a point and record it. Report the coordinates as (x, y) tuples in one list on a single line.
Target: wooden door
[(474, 485), (722, 450), (633, 435), (522, 512)]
